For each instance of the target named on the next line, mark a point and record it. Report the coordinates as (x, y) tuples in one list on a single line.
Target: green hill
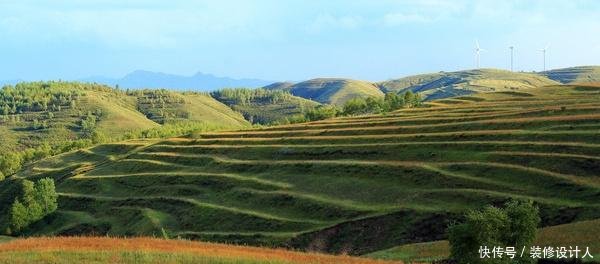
[(263, 106), (582, 74), (348, 185), (37, 113), (448, 84), (334, 91), (279, 86)]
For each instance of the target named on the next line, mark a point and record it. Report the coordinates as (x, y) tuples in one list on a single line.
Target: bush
[(35, 202), (513, 226), (321, 112)]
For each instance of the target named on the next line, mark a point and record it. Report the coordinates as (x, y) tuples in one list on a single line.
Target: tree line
[(359, 106)]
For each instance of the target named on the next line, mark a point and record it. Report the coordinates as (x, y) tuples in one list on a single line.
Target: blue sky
[(289, 40)]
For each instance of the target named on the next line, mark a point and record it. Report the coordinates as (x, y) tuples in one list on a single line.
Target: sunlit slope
[(163, 106), (448, 84), (352, 185), (54, 112), (334, 91), (582, 74)]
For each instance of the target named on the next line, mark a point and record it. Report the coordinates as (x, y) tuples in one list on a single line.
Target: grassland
[(582, 74), (448, 84), (115, 112), (582, 234), (347, 185), (334, 91), (59, 250), (264, 106)]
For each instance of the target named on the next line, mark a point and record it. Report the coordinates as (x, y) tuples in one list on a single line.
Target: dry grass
[(153, 245)]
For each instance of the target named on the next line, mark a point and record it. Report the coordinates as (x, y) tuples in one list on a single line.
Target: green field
[(348, 185)]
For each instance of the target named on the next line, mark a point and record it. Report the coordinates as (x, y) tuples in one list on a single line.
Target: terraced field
[(348, 185)]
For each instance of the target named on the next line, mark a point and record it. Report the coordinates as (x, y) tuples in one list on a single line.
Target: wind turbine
[(478, 51), (512, 50), (544, 54)]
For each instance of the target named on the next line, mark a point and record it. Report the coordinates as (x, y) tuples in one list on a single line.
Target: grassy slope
[(582, 234), (168, 106), (279, 86), (583, 74), (447, 84), (265, 111), (120, 114), (334, 91), (354, 185), (148, 250)]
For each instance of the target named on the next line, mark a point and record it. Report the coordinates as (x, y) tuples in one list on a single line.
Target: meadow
[(58, 250), (351, 185)]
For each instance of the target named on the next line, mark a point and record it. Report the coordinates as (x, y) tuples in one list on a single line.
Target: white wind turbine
[(478, 51), (544, 54), (512, 50)]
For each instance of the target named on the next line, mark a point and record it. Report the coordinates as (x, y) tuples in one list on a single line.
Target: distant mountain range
[(339, 90), (197, 82)]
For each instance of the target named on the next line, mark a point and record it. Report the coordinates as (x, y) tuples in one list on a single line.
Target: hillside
[(32, 114), (285, 86), (582, 74), (334, 91), (347, 185), (448, 84), (263, 106), (60, 250)]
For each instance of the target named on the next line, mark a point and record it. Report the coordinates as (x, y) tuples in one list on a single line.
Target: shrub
[(35, 202), (513, 226)]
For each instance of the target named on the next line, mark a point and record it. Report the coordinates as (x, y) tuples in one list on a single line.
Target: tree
[(10, 163), (321, 112), (513, 226), (45, 194), (408, 97), (18, 216), (355, 106), (35, 202), (393, 101)]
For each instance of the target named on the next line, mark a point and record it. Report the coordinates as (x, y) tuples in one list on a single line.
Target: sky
[(288, 39)]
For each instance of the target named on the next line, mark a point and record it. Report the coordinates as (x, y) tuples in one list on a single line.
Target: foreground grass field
[(59, 250), (348, 185)]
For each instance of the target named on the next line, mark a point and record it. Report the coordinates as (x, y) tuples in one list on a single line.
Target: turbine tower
[(544, 54), (478, 51), (512, 50)]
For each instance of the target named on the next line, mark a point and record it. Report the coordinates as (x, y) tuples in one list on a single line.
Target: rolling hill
[(35, 113), (263, 106), (333, 91), (582, 74), (448, 84), (350, 185)]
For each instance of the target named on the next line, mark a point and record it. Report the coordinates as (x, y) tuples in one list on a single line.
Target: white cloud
[(325, 22)]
